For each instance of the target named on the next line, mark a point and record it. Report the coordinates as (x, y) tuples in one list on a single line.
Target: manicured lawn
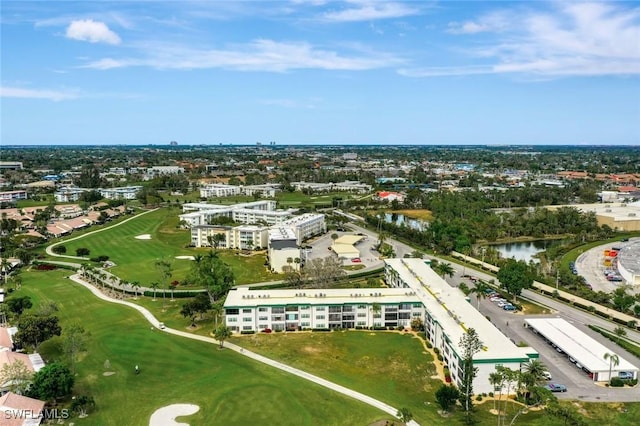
[(135, 258), (229, 388)]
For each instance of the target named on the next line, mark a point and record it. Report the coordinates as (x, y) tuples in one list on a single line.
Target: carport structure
[(345, 248), (582, 350)]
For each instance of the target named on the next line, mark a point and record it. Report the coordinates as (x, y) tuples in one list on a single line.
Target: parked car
[(547, 375), (509, 307), (625, 375), (161, 326), (556, 387), (356, 260)]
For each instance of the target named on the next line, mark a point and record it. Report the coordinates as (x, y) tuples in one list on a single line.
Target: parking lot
[(590, 265), (369, 257)]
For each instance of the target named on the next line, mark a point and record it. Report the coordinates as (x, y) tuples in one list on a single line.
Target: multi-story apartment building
[(123, 193), (306, 226), (416, 291), (257, 212), (12, 196), (245, 237), (247, 310), (219, 190)]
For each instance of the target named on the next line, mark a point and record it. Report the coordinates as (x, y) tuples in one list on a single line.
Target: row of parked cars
[(496, 298)]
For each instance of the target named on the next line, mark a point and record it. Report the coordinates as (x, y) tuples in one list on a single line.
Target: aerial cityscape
[(319, 213)]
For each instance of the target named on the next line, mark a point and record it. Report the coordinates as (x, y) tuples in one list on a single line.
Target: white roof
[(281, 233), (578, 345), (451, 309), (244, 297), (345, 250)]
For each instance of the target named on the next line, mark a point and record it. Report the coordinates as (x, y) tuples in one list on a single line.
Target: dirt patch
[(108, 373), (311, 350)]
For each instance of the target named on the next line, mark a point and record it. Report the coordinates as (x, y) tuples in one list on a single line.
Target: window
[(263, 309), (304, 308), (277, 310), (417, 305), (416, 314), (305, 316), (263, 326), (292, 309), (232, 311), (362, 306), (263, 318), (362, 314), (232, 319), (247, 319), (320, 317), (247, 327), (320, 308), (305, 324), (246, 311), (361, 323)]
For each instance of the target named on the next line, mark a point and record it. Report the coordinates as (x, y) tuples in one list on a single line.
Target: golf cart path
[(284, 367)]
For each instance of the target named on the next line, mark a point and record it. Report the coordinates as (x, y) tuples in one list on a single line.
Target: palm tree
[(619, 332), (536, 369), (154, 286), (4, 266), (123, 284), (445, 269), (222, 333), (480, 290), (216, 310), (495, 380), (614, 361), (136, 286)]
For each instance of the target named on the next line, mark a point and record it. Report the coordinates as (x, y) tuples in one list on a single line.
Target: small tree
[(82, 404), (222, 333), (19, 304), (446, 396), (515, 276), (16, 377), (74, 341), (404, 415), (470, 344), (33, 330), (59, 249), (82, 251), (53, 381)]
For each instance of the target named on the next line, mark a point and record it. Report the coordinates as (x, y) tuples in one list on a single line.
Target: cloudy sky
[(320, 72)]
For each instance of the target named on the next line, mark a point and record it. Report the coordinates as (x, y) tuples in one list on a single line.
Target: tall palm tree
[(614, 361), (154, 286), (495, 380), (216, 310), (136, 286), (480, 290), (445, 269)]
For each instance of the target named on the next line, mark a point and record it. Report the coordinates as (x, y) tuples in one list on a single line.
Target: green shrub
[(429, 345), (440, 357), (616, 382), (479, 398), (436, 351)]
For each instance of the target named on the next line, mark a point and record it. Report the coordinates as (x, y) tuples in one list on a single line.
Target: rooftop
[(452, 310), (584, 349)]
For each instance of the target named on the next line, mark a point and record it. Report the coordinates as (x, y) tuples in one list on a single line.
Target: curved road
[(303, 374)]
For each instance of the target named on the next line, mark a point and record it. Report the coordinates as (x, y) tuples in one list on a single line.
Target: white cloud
[(576, 39), (259, 55), (492, 22), (52, 95), (370, 10), (92, 31)]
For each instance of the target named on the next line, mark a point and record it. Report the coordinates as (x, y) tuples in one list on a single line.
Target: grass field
[(229, 389), (135, 258)]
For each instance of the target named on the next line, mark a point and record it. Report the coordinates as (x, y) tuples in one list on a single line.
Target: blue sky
[(320, 72)]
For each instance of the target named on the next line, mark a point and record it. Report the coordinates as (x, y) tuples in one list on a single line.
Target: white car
[(547, 375), (161, 326)]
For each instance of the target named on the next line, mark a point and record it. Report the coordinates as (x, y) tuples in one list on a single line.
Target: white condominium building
[(284, 253), (416, 291), (448, 316), (245, 237), (306, 226), (247, 310), (219, 190), (257, 212)]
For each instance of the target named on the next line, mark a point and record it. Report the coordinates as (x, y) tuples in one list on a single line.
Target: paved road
[(303, 374)]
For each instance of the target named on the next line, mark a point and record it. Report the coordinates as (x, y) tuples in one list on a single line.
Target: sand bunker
[(166, 416), (186, 257), (143, 237)]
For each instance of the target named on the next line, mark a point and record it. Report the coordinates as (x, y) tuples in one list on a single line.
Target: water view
[(400, 219), (523, 250)]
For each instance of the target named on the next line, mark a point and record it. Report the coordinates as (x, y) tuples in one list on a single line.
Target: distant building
[(244, 237), (257, 212), (122, 193), (390, 196), (306, 226), (12, 196), (11, 165)]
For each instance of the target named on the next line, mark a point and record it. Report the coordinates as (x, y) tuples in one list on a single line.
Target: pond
[(523, 250), (399, 219)]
